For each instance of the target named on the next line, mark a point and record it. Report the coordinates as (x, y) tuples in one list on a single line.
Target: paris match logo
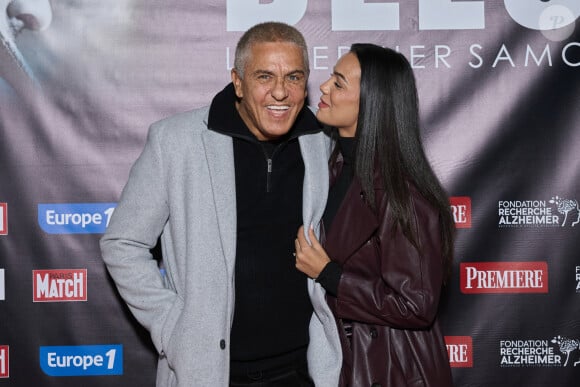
[(459, 351), (59, 285), (503, 277), (461, 209), (555, 212)]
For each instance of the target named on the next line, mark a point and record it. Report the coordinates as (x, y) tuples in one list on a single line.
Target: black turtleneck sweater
[(272, 308), (330, 275)]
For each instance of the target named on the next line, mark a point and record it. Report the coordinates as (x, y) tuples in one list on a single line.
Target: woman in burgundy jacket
[(387, 244)]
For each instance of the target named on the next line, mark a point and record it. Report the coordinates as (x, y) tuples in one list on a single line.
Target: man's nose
[(280, 89), (34, 14)]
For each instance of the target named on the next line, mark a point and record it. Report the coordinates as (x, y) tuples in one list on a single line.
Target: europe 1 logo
[(75, 218), (82, 360)]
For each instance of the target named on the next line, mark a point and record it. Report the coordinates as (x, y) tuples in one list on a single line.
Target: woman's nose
[(324, 87), (34, 14)]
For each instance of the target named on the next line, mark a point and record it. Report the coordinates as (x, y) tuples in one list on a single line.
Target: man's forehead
[(276, 55), (272, 49)]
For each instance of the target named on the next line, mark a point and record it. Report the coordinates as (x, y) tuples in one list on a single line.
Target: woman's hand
[(310, 257)]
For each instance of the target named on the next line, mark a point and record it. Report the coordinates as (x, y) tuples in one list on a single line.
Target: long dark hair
[(388, 138)]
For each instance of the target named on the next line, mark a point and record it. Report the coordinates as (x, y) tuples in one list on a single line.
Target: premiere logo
[(75, 218), (4, 363), (59, 285), (461, 209), (3, 218), (503, 277), (577, 279), (82, 360), (460, 351)]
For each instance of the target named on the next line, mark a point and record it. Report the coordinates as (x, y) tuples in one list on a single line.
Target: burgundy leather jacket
[(388, 294)]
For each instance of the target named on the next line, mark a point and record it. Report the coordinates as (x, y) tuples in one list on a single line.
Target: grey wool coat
[(182, 189)]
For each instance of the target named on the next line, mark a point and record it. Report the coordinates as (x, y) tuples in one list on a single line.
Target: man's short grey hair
[(268, 32)]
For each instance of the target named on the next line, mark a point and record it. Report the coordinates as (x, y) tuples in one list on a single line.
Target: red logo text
[(4, 373), (3, 218), (59, 285), (461, 209), (504, 277), (460, 351)]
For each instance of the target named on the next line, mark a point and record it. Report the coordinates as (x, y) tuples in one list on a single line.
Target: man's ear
[(237, 81)]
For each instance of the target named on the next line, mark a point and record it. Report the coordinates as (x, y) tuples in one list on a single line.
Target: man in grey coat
[(225, 188)]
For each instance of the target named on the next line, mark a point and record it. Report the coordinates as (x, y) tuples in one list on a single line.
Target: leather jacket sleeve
[(388, 281)]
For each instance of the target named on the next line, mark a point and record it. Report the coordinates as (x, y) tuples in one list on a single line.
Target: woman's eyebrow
[(336, 73)]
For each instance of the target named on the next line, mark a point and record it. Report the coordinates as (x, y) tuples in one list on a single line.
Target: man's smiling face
[(273, 89)]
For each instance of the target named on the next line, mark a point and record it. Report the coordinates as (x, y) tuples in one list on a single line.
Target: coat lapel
[(314, 149), (354, 224), (219, 152), (324, 353)]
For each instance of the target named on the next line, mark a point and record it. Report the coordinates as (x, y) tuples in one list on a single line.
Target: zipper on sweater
[(269, 174), (270, 162)]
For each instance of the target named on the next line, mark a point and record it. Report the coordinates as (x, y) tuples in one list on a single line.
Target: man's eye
[(294, 78), (337, 85), (264, 77)]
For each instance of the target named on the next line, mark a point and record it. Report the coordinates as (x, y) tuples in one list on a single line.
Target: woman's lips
[(322, 104)]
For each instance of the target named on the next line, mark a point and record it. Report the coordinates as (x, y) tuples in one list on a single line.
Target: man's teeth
[(274, 107)]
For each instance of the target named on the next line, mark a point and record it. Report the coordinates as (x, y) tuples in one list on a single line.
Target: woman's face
[(339, 103)]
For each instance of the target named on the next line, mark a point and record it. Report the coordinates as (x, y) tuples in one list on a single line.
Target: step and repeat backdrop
[(499, 86)]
